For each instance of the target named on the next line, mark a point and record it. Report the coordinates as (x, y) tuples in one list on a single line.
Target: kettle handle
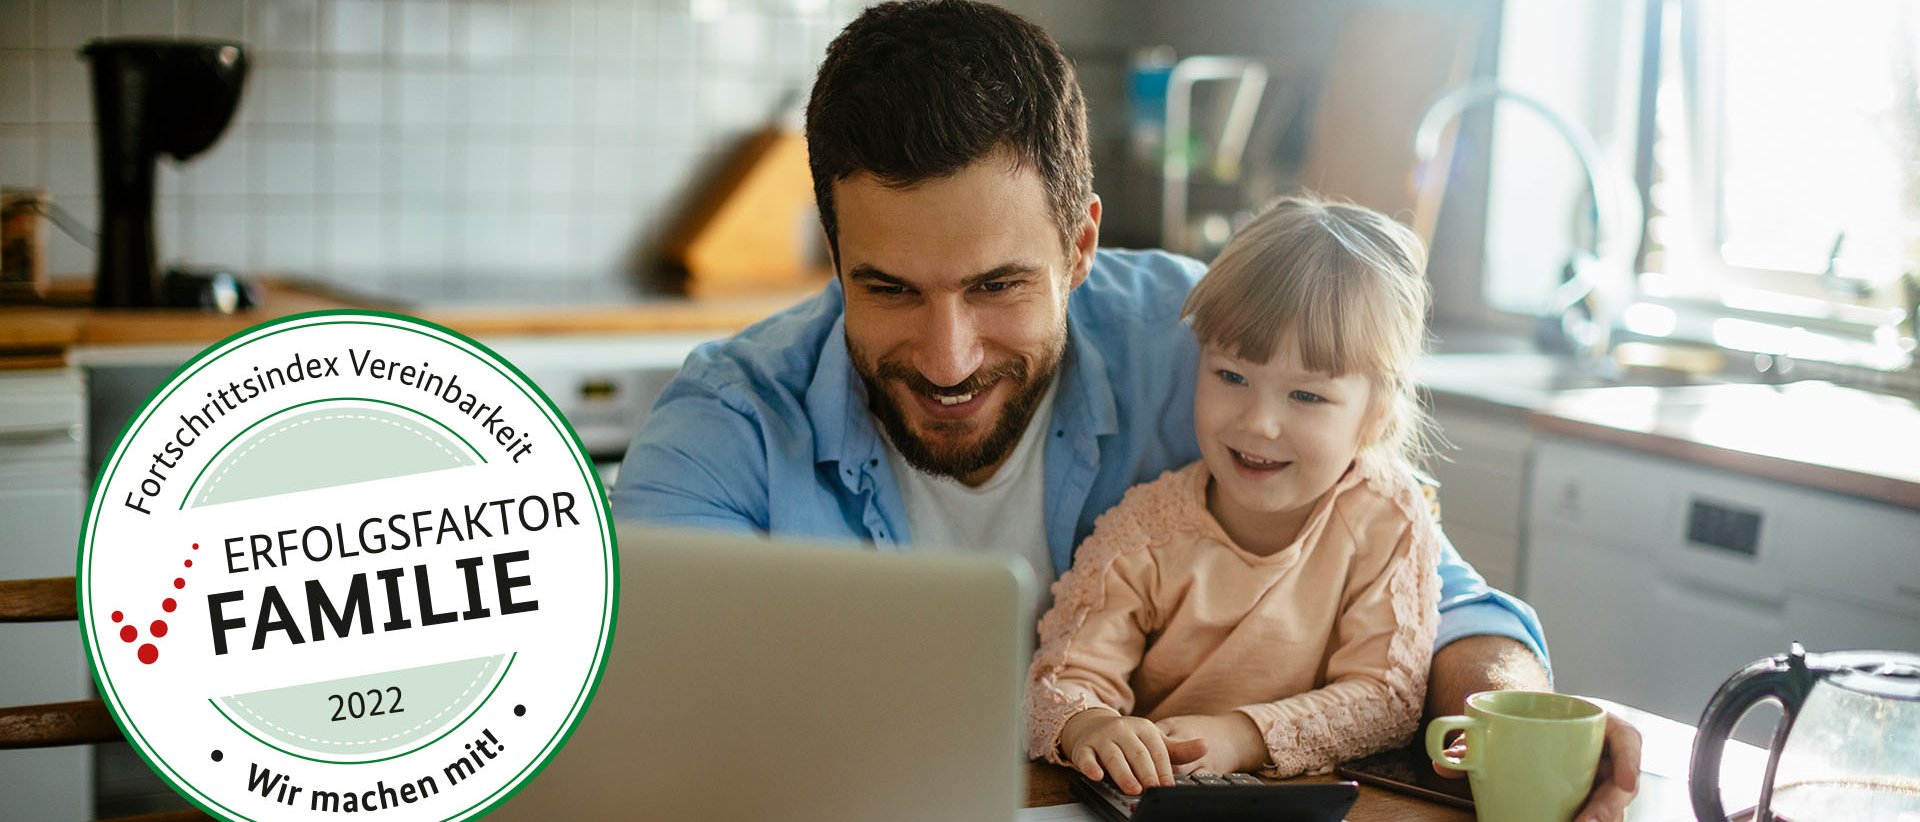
[(1784, 679)]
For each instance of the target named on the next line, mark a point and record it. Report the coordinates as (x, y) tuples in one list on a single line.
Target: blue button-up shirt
[(768, 431)]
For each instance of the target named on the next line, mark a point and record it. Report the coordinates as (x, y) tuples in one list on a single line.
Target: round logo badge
[(348, 562)]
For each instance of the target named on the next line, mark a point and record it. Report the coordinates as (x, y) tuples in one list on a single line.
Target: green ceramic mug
[(1530, 755)]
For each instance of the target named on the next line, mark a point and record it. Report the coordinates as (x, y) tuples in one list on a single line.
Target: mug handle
[(1437, 731)]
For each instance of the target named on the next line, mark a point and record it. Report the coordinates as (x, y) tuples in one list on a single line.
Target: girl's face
[(1275, 437)]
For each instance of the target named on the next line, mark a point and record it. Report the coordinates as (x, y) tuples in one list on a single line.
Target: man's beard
[(964, 459)]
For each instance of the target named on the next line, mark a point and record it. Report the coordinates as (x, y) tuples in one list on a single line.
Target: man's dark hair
[(915, 91)]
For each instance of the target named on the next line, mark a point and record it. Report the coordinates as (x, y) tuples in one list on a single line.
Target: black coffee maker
[(151, 96)]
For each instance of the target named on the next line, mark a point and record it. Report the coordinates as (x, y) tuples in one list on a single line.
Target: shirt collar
[(1083, 372)]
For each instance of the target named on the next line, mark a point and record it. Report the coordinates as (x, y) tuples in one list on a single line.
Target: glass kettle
[(1847, 747)]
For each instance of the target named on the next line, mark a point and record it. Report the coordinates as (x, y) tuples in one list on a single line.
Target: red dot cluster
[(148, 653)]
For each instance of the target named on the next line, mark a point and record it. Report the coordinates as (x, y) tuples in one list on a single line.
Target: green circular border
[(583, 701)]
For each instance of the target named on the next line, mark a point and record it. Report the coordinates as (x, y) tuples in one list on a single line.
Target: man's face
[(956, 316)]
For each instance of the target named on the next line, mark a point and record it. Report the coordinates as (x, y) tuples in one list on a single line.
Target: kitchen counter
[(42, 336), (1809, 433), (1812, 434)]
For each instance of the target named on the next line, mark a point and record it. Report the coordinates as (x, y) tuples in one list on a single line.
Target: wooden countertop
[(1809, 433), (41, 335)]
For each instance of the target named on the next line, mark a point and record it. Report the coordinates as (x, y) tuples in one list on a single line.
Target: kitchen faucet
[(1575, 318)]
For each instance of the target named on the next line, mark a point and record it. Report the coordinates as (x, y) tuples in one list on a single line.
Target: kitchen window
[(1782, 174)]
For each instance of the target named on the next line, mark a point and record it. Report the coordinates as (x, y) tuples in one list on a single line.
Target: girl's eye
[(1307, 396), (1230, 377)]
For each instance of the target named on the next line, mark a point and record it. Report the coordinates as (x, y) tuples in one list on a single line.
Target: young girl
[(1272, 607)]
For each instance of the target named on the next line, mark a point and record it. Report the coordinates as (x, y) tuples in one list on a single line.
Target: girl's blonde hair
[(1348, 283)]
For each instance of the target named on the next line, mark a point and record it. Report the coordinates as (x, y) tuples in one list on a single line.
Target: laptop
[(755, 679)]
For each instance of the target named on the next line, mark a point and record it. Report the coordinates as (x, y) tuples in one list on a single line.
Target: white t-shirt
[(1006, 514)]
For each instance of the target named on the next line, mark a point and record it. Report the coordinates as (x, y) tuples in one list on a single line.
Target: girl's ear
[(1379, 418)]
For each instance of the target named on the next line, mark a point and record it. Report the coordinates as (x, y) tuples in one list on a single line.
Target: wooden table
[(1667, 749)]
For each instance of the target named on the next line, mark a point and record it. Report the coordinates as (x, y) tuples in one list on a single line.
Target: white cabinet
[(1657, 579), (43, 487), (1482, 483)]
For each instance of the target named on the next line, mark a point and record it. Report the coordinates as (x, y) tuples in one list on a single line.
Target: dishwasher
[(1657, 579)]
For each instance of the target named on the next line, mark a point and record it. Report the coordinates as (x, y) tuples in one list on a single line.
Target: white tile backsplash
[(355, 167), (549, 170), (18, 88), (673, 36), (71, 162), (71, 23), (170, 231), (488, 169), (287, 167), (422, 96), (18, 24), (382, 140), (547, 101), (221, 170), (545, 27), (421, 168), (217, 19), (289, 26), (65, 253), (354, 27), (356, 96), (426, 28), (614, 109), (613, 32), (283, 95), (221, 238), (68, 96), (735, 42), (487, 38), (355, 242), (287, 242), (143, 18), (19, 156), (422, 244)]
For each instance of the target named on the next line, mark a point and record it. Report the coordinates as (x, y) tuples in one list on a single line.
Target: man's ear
[(1085, 242)]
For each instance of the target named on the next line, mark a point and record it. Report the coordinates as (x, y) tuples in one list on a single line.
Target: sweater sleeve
[(1092, 639), (1377, 674)]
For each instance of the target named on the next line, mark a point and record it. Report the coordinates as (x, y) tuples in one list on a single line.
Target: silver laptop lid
[(776, 680)]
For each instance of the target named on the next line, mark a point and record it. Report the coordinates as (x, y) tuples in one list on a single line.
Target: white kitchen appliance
[(1657, 579)]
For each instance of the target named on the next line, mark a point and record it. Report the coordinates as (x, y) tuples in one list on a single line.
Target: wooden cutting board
[(754, 229)]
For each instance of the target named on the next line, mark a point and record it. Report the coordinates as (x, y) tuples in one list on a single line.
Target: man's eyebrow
[(864, 272), (867, 272), (999, 272)]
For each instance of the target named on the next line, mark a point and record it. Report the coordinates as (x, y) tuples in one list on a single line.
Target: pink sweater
[(1324, 645)]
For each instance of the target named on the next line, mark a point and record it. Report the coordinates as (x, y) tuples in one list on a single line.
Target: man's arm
[(1481, 663), (698, 463), (1471, 608)]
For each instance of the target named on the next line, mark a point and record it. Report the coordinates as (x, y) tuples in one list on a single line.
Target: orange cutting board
[(755, 229)]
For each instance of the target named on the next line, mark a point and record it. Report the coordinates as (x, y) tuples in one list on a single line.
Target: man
[(977, 374)]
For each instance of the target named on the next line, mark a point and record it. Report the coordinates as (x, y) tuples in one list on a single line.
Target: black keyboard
[(1236, 797)]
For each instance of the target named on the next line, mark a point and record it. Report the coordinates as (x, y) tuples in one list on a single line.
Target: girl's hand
[(1231, 742), (1130, 749)]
